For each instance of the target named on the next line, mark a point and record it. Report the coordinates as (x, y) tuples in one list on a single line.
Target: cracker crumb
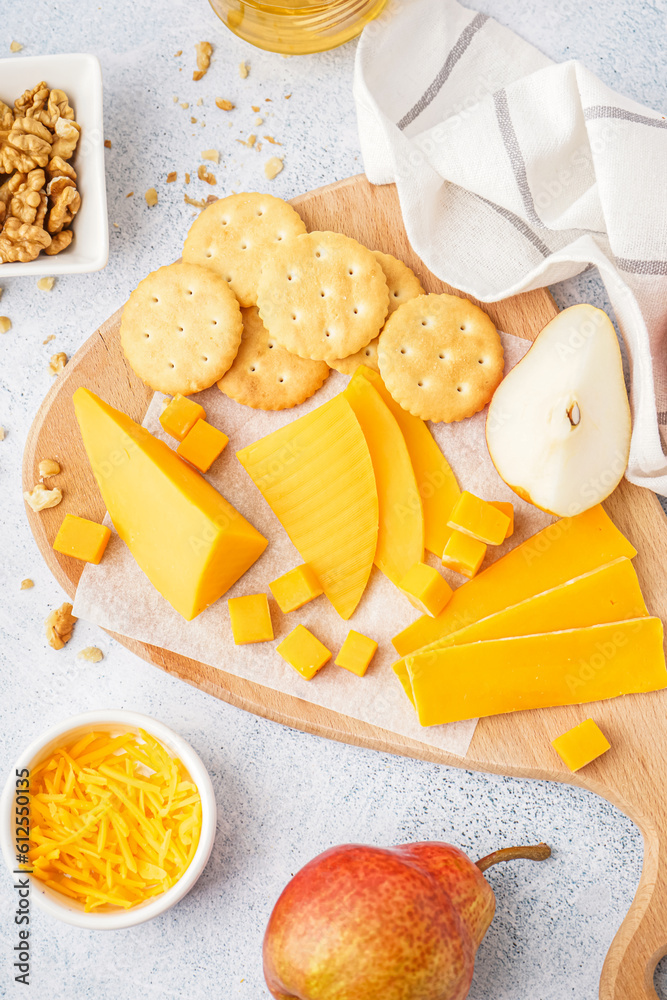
[(255, 107), (287, 97), (1, 291), (193, 120), (185, 104), (57, 363), (151, 197), (204, 52), (274, 142), (244, 69), (59, 626), (187, 178), (91, 654), (210, 154), (179, 53), (200, 101), (45, 284), (107, 143), (268, 100), (171, 176), (5, 324), (204, 175), (15, 47), (50, 337), (40, 498), (272, 167), (259, 121), (175, 99), (116, 226), (193, 201), (251, 140), (49, 467), (224, 105), (2, 433), (27, 584), (129, 194)]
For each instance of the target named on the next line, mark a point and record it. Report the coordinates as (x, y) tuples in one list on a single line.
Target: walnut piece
[(151, 197), (65, 138), (91, 654), (224, 105), (6, 117), (65, 203), (27, 199), (49, 467), (21, 241), (57, 363), (204, 175), (46, 284), (57, 167), (39, 498), (27, 584), (5, 324), (32, 102), (59, 626), (272, 167), (204, 52), (27, 145), (59, 242)]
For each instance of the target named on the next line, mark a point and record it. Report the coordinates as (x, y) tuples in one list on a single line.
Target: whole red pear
[(371, 923)]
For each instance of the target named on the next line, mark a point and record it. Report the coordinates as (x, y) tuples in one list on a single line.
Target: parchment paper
[(117, 595)]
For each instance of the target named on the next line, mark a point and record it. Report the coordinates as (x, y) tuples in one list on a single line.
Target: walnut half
[(59, 626), (21, 241)]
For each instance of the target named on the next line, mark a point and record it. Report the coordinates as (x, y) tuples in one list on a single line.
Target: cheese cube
[(507, 508), (426, 589), (479, 519), (180, 415), (295, 588), (202, 445), (82, 539), (581, 745), (303, 652), (356, 653), (251, 619), (463, 554)]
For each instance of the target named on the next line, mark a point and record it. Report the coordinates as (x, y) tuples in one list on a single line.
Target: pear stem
[(536, 852)]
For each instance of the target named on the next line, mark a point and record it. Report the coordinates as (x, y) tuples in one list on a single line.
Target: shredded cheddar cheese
[(115, 820)]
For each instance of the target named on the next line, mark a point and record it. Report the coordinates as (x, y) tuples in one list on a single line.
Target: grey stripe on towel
[(450, 62), (604, 111), (642, 266), (515, 156)]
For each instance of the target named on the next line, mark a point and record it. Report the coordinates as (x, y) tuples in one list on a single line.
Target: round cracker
[(403, 285), (322, 296), (234, 235), (440, 357), (181, 329), (265, 375)]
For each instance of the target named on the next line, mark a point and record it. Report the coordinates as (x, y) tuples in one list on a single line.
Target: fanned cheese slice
[(560, 552), (400, 542), (317, 476), (608, 594), (538, 671), (436, 482)]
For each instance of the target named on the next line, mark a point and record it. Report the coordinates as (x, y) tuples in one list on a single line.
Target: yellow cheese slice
[(189, 541), (317, 476), (608, 594), (560, 552), (538, 671), (400, 544), (436, 482)]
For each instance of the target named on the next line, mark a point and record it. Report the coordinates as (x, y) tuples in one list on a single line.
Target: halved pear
[(558, 428)]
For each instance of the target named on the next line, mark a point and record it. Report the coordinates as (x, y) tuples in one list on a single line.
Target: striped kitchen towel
[(514, 172)]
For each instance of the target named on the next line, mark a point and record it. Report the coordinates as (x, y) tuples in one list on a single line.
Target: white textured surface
[(282, 796)]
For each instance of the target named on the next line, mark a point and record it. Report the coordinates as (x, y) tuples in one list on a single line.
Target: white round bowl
[(69, 910)]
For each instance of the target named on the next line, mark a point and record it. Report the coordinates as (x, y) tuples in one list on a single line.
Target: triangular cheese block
[(317, 476), (189, 541), (401, 532)]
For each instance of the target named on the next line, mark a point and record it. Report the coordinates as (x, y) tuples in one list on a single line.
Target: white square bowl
[(80, 76)]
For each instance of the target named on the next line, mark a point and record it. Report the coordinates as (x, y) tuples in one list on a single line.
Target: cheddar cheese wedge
[(608, 594), (317, 476), (538, 671), (189, 541), (400, 544), (560, 552), (436, 482)]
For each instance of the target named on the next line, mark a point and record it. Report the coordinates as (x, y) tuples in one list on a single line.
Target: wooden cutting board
[(630, 775)]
